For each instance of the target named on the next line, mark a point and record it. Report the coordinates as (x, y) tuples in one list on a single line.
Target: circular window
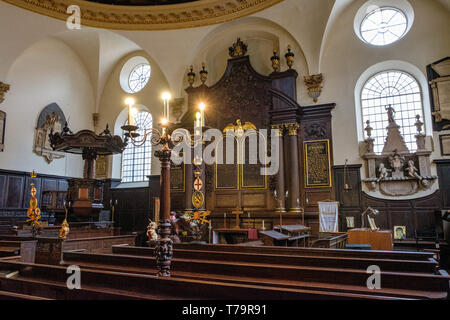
[(135, 74), (384, 26), (139, 77)]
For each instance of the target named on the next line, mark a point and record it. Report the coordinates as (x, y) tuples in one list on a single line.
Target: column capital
[(280, 128), (292, 128), (3, 89)]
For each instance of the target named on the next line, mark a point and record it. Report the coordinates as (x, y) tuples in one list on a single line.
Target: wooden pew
[(419, 266), (397, 255), (410, 285), (26, 249), (50, 282), (4, 295)]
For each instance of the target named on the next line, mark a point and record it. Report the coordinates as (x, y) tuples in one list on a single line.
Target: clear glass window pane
[(402, 92), (133, 158)]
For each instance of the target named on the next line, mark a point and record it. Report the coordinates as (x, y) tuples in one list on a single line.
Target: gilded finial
[(238, 49), (289, 57), (203, 74), (275, 61), (33, 174), (191, 75)]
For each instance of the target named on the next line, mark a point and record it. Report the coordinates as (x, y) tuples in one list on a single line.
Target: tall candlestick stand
[(166, 139)]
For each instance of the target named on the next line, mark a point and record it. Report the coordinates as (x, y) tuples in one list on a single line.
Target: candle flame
[(129, 101)]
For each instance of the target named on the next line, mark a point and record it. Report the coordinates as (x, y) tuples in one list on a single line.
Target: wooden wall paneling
[(3, 195), (49, 184), (415, 214), (402, 218), (15, 190), (254, 200), (443, 170)]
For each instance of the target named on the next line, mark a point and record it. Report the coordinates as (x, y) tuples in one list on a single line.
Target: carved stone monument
[(394, 172), (51, 119)]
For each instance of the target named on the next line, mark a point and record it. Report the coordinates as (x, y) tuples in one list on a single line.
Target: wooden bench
[(26, 249), (18, 296), (50, 282), (417, 266), (418, 285), (397, 255)]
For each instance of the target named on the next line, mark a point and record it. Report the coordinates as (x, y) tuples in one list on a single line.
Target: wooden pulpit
[(378, 240)]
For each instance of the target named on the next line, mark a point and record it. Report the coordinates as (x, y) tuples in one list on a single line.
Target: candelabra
[(166, 138)]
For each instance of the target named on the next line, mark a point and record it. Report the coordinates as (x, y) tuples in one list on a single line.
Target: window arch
[(400, 90), (137, 161)]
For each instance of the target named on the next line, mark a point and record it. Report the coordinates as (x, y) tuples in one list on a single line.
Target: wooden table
[(273, 238), (379, 240), (296, 233)]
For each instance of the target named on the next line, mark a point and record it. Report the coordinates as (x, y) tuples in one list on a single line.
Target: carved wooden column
[(163, 248), (293, 172), (281, 190)]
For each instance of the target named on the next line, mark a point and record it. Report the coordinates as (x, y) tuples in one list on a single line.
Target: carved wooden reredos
[(267, 101)]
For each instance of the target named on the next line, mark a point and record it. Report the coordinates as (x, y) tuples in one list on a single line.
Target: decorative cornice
[(163, 17), (3, 89)]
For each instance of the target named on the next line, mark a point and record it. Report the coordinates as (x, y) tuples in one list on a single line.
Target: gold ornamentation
[(34, 213), (280, 128), (3, 89), (65, 230), (239, 128), (238, 49), (198, 199), (177, 16), (199, 217), (289, 57), (275, 61), (314, 85), (191, 76), (292, 128), (203, 74)]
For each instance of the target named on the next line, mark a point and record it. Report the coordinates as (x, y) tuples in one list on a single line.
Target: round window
[(384, 26)]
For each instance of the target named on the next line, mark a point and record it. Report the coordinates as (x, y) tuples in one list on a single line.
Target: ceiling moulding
[(162, 17)]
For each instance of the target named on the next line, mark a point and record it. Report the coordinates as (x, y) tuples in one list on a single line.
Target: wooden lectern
[(378, 240)]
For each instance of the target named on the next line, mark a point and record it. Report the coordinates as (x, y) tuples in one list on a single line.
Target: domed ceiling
[(148, 14)]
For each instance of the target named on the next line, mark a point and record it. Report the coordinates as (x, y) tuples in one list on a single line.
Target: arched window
[(402, 92), (137, 161)]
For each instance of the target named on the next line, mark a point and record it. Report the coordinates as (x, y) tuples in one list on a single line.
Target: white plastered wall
[(321, 33)]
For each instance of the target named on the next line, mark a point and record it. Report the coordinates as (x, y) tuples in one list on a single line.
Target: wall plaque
[(317, 164)]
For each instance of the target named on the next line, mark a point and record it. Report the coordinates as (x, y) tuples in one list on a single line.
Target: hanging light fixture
[(347, 186)]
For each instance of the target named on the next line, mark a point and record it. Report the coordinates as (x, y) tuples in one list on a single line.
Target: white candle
[(263, 226)]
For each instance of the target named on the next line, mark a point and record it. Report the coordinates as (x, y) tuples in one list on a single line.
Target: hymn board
[(244, 99)]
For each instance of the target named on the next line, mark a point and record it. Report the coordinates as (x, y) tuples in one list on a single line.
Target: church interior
[(224, 150)]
